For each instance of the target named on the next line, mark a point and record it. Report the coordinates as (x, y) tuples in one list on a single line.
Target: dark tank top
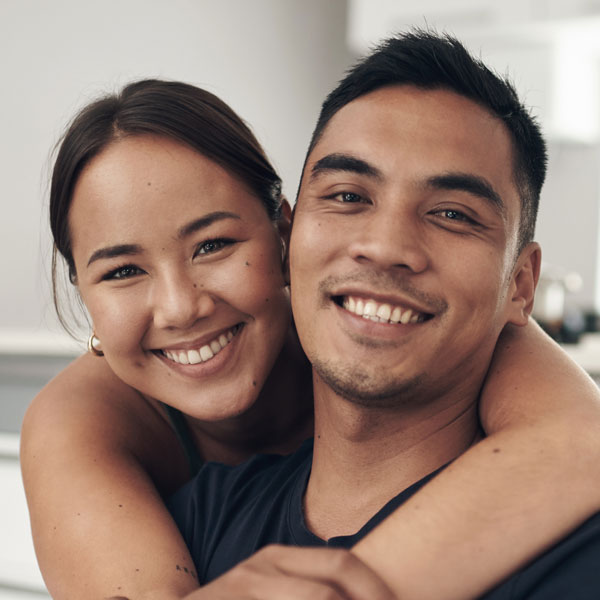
[(185, 437)]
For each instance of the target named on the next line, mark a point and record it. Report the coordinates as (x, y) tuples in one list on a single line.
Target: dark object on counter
[(592, 321), (567, 331)]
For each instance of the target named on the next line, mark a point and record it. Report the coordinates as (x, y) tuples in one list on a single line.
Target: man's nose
[(390, 237), (179, 301)]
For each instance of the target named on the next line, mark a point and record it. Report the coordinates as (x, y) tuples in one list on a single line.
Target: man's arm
[(512, 495)]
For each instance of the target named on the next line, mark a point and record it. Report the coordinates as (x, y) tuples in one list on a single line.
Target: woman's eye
[(212, 246), (124, 272)]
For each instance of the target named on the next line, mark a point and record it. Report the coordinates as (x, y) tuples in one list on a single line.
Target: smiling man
[(411, 251)]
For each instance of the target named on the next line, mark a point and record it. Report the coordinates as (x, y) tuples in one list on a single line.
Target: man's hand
[(290, 573)]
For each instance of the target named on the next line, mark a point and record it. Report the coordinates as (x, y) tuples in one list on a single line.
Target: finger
[(259, 579), (337, 567)]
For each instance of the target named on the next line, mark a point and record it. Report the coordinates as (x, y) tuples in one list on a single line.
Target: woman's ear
[(284, 226), (525, 277)]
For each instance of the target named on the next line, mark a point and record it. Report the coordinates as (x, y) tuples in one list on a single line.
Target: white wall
[(551, 50), (272, 60)]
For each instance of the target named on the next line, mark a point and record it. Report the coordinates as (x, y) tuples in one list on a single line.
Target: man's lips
[(381, 312), (204, 352)]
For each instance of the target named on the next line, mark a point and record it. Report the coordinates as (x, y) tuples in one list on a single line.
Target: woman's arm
[(91, 452), (512, 495)]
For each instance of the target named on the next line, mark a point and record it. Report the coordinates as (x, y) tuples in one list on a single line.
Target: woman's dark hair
[(171, 109)]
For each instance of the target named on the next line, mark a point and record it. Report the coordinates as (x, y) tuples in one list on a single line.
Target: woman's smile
[(180, 267)]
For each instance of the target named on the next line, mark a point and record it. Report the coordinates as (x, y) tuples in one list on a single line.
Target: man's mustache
[(384, 283)]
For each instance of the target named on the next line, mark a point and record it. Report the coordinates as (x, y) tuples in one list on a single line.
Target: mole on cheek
[(138, 364), (195, 285), (247, 264)]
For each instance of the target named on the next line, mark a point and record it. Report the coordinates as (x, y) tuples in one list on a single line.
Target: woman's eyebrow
[(205, 221), (114, 251), (344, 162), (186, 230)]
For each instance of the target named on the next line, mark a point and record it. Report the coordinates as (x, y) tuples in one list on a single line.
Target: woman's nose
[(179, 301)]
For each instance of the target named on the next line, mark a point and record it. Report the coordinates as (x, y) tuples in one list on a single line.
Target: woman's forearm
[(512, 495)]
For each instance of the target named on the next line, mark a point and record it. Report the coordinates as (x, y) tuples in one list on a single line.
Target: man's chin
[(367, 389)]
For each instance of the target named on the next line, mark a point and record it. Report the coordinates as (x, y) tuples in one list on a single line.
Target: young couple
[(412, 272)]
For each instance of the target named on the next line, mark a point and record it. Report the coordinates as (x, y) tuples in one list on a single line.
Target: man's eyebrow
[(472, 184), (205, 221), (114, 251), (344, 162)]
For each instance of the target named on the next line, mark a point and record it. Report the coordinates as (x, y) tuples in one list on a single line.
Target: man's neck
[(364, 457)]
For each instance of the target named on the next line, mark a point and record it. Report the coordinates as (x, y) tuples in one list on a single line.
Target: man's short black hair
[(429, 61)]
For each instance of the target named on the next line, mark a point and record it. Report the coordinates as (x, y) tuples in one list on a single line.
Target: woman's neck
[(279, 420)]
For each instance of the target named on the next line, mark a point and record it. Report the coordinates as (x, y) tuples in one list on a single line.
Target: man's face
[(403, 248)]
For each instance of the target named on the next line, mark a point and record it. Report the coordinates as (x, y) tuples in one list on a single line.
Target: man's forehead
[(399, 107), (460, 139)]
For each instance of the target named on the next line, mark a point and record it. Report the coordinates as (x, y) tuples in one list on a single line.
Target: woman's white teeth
[(202, 354), (381, 313)]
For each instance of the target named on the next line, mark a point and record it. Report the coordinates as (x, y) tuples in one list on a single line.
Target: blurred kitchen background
[(273, 61)]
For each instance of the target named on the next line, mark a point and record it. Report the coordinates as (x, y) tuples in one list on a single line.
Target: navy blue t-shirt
[(226, 514)]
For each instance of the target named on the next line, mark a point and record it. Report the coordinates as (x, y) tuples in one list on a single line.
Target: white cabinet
[(20, 578)]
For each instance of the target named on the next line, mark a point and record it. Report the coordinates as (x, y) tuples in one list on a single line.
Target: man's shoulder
[(570, 569)]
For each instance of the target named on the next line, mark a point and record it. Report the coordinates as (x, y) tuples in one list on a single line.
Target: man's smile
[(381, 312)]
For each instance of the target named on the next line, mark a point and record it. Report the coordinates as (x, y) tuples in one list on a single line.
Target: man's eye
[(212, 246), (455, 215), (349, 197), (124, 272)]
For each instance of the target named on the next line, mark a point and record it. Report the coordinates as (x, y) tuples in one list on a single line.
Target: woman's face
[(180, 269)]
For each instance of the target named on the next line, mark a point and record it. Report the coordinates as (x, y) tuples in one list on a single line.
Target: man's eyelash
[(347, 197), (459, 216)]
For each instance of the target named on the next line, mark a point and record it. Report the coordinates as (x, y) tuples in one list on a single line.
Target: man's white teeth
[(202, 354), (381, 313)]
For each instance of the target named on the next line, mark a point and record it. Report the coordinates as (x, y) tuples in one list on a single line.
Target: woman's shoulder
[(87, 411)]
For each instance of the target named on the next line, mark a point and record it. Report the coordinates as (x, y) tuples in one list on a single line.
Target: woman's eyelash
[(212, 246), (122, 272)]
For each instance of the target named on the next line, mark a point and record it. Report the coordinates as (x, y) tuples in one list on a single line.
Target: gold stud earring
[(94, 346)]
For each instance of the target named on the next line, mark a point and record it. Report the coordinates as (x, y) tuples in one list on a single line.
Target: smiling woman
[(171, 223), (159, 271)]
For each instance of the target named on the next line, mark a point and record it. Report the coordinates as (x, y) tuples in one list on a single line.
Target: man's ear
[(525, 277), (284, 226)]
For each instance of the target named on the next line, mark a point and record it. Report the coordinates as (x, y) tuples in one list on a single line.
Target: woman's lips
[(205, 352)]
